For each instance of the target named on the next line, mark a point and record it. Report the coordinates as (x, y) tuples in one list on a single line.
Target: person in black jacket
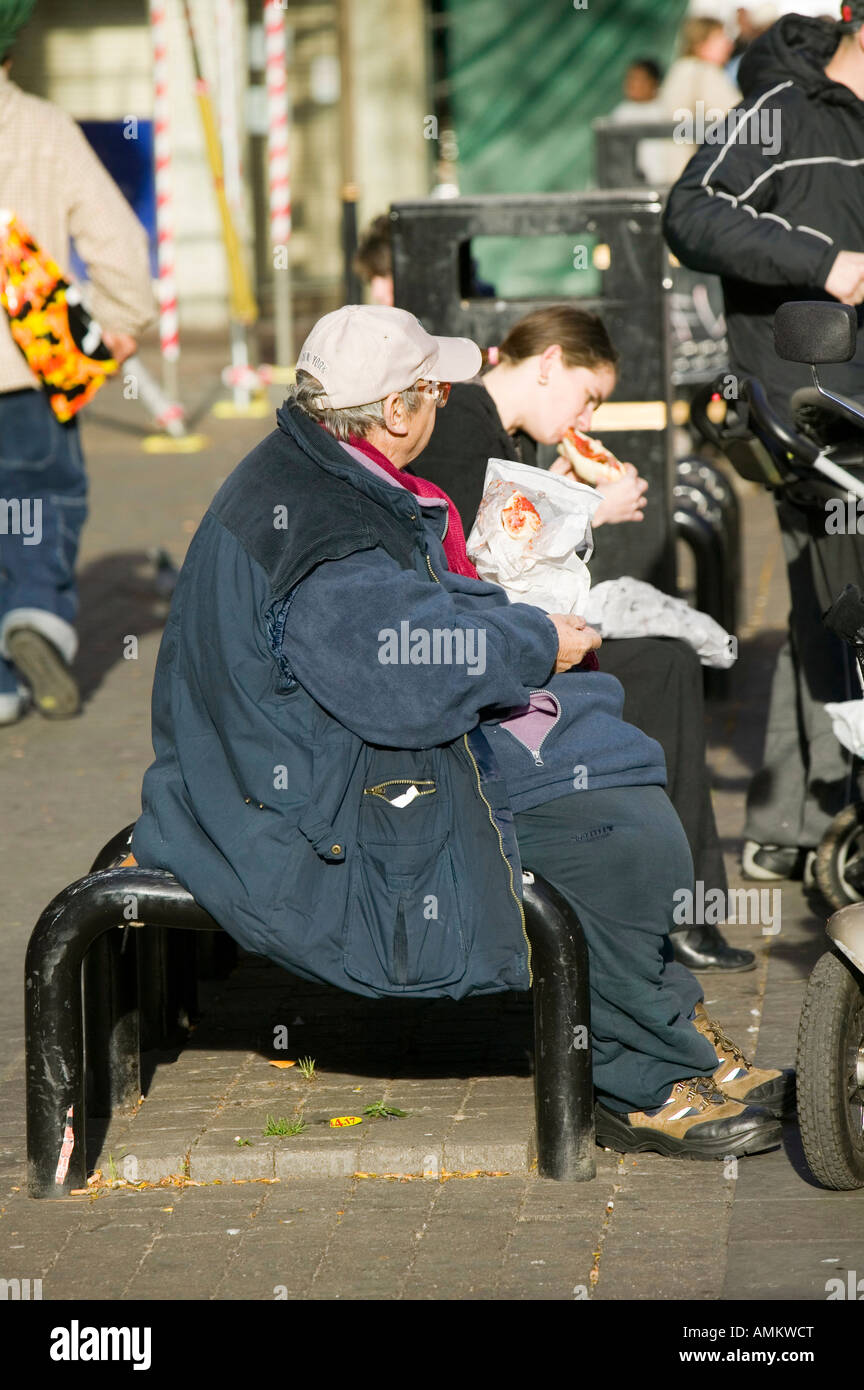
[(552, 369), (773, 202)]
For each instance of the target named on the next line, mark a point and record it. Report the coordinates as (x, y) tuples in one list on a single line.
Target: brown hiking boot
[(738, 1078), (697, 1121)]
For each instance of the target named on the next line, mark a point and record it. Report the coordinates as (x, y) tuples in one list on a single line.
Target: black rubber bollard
[(112, 1043), (166, 979), (72, 922), (563, 1086), (112, 1048)]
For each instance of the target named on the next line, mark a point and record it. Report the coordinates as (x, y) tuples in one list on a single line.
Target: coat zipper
[(509, 866), (378, 789), (535, 752), (492, 821)]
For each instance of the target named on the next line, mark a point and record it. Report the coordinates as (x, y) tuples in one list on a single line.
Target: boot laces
[(701, 1091), (725, 1044)]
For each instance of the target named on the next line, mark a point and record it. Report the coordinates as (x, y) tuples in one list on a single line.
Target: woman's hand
[(575, 640), (623, 500)]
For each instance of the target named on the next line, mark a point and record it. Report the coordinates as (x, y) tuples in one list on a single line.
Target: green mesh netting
[(527, 79)]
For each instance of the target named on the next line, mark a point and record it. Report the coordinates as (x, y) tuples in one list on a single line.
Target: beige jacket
[(52, 180), (700, 89)]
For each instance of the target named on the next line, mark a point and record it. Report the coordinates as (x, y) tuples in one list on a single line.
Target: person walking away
[(56, 187)]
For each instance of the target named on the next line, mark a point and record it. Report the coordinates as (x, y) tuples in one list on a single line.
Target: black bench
[(73, 1049)]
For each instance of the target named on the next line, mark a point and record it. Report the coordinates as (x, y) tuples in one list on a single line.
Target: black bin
[(434, 279)]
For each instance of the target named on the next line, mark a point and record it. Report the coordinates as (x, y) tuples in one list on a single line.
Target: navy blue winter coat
[(331, 800)]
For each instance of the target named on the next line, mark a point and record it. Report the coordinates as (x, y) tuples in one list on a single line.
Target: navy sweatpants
[(618, 855)]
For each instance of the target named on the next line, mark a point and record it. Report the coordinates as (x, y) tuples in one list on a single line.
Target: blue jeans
[(43, 506)]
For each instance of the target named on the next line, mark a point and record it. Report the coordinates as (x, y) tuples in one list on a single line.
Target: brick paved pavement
[(288, 1217)]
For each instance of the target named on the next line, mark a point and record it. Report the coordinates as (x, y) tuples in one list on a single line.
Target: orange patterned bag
[(61, 342)]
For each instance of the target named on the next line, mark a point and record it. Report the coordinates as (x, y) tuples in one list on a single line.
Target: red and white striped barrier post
[(279, 166), (169, 334), (232, 164)]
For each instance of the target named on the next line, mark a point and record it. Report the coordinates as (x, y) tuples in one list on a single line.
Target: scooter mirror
[(813, 330)]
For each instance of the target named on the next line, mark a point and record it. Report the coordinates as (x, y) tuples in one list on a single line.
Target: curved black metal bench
[(89, 1056)]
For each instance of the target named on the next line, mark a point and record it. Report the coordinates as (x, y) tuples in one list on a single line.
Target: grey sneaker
[(55, 692)]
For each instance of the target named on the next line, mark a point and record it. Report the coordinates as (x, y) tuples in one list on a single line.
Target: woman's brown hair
[(581, 336)]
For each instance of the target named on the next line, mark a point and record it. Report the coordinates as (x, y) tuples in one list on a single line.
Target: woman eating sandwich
[(542, 385)]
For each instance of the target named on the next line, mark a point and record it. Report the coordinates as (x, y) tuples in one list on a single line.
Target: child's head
[(642, 80)]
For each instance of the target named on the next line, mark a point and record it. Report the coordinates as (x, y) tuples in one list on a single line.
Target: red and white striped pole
[(232, 167), (169, 334), (279, 166)]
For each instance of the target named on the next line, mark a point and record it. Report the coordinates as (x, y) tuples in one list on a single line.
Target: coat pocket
[(403, 930)]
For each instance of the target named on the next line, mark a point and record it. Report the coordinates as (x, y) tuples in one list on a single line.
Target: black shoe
[(697, 1121), (705, 948), (55, 692), (771, 863)]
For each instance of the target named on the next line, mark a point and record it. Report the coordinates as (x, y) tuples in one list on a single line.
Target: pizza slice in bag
[(61, 342)]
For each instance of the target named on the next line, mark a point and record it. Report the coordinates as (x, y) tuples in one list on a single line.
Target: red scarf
[(454, 541)]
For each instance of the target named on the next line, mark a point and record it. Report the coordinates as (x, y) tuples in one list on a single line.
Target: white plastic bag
[(847, 721), (532, 535), (629, 607)]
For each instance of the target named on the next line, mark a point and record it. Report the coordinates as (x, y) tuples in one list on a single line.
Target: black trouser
[(806, 775), (662, 680), (619, 855)]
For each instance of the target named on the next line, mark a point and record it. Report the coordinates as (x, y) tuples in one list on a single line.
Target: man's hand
[(623, 500), (122, 345), (575, 640), (846, 280)]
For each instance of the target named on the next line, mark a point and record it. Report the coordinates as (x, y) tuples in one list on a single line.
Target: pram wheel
[(830, 1068), (839, 866)]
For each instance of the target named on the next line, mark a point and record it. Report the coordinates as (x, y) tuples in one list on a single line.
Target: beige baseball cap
[(363, 352)]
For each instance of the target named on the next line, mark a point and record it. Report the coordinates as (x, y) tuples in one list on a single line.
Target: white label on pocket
[(406, 798)]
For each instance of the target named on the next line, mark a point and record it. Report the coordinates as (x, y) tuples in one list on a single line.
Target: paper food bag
[(532, 536)]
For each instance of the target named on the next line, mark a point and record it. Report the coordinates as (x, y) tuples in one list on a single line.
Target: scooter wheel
[(839, 866), (830, 1068)]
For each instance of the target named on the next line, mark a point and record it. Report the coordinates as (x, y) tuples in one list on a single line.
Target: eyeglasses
[(438, 390)]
